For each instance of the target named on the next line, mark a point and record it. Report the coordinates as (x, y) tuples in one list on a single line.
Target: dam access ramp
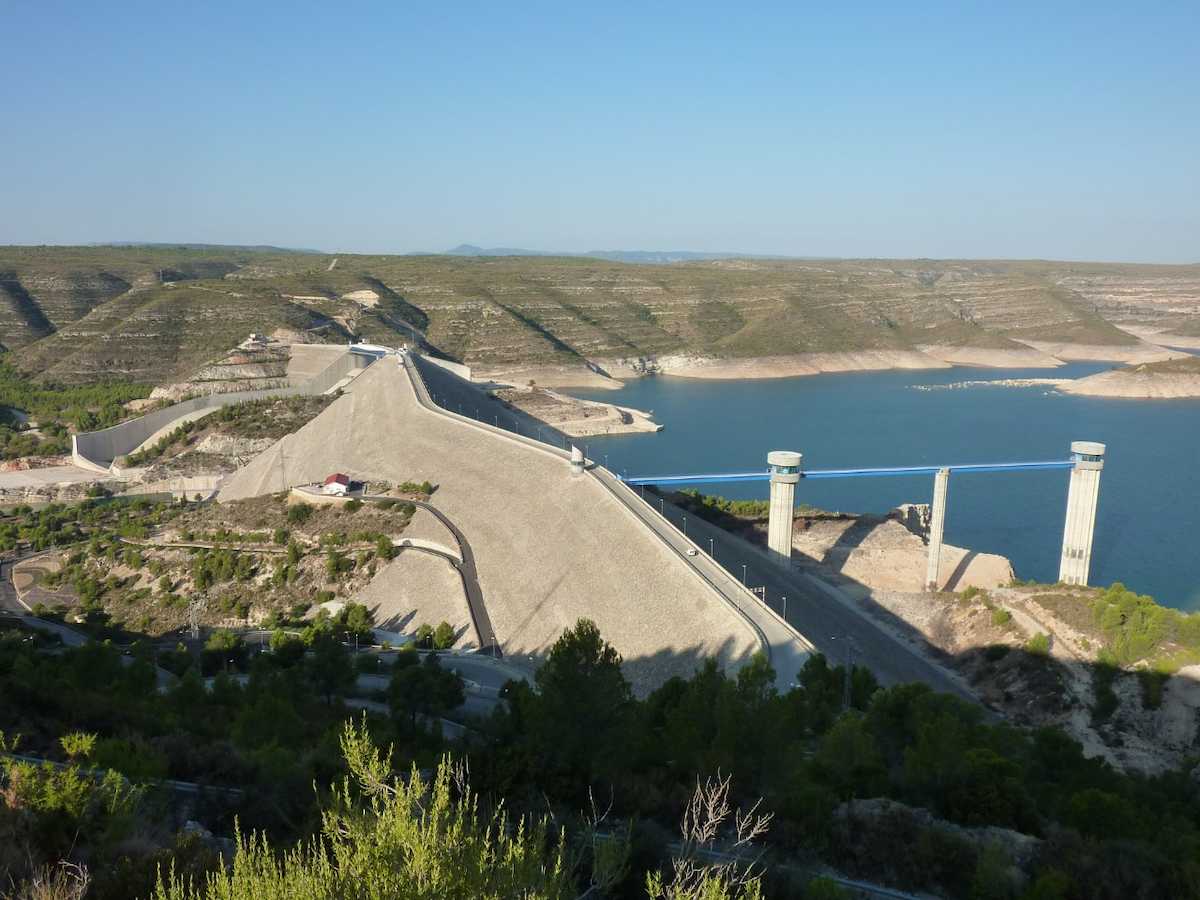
[(314, 369)]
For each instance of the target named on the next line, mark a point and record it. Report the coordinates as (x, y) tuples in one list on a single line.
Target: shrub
[(1038, 645), (384, 548), (299, 513), (1001, 617), (281, 536), (353, 506), (424, 635), (443, 636), (222, 647), (1133, 625)]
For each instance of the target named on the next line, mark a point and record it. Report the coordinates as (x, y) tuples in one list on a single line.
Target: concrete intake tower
[(784, 466)]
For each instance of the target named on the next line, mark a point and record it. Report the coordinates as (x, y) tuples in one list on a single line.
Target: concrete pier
[(1080, 525), (784, 466), (937, 527)]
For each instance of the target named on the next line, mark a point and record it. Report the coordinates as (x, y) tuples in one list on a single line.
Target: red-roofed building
[(336, 484)]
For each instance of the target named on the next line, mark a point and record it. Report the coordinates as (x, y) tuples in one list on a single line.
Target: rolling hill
[(151, 313)]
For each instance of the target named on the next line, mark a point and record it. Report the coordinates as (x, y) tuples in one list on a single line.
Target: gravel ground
[(418, 588), (425, 525)]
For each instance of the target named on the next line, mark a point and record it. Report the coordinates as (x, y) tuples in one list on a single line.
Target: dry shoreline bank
[(610, 374), (574, 417)]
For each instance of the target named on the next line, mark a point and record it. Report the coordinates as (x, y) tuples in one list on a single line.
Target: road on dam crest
[(826, 624)]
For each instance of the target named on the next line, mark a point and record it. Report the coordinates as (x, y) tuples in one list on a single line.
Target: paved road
[(466, 570), (11, 605), (813, 608)]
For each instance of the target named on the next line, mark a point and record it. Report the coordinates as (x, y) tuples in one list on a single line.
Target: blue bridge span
[(765, 475), (784, 470)]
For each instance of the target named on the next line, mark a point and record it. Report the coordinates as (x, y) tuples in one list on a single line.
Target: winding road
[(466, 571)]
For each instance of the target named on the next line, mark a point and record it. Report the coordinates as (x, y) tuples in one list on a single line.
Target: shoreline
[(611, 374), (572, 416)]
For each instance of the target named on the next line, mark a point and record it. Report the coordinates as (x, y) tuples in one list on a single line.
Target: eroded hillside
[(155, 313)]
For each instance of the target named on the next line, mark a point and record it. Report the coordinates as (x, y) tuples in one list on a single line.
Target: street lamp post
[(710, 548), (743, 574), (785, 609), (685, 526)]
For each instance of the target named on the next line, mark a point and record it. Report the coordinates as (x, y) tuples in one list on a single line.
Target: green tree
[(384, 548), (286, 649), (299, 513), (849, 759), (423, 690), (223, 649), (330, 667), (584, 704), (443, 636), (358, 621)]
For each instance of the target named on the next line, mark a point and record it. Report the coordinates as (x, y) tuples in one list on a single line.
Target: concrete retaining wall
[(184, 486), (95, 450)]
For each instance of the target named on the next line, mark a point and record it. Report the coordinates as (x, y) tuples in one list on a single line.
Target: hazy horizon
[(876, 133), (537, 252)]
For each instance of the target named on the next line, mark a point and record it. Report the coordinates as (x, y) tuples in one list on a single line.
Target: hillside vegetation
[(899, 785), (154, 313)]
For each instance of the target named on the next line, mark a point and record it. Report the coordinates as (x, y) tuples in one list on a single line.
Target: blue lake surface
[(1148, 523)]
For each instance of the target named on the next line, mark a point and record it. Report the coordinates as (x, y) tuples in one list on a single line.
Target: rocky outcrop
[(1139, 352), (890, 553), (1168, 380)]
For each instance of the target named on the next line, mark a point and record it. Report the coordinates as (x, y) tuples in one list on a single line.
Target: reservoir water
[(1148, 523)]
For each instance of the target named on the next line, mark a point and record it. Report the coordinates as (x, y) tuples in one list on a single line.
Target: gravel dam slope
[(550, 548)]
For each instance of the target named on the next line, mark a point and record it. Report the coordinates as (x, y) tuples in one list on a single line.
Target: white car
[(692, 551)]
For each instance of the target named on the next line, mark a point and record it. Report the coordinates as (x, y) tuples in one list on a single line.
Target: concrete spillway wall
[(96, 450)]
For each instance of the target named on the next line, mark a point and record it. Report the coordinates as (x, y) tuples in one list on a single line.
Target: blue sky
[(1059, 130)]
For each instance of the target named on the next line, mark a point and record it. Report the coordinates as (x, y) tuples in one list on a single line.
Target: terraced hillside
[(153, 314)]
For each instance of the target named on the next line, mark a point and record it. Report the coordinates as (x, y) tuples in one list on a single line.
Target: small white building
[(336, 485)]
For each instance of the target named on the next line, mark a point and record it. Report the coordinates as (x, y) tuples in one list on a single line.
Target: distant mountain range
[(629, 256)]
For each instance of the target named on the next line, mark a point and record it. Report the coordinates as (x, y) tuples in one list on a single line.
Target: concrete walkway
[(465, 566)]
